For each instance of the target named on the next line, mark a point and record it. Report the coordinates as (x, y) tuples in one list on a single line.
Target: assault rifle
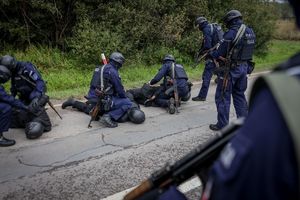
[(202, 54), (194, 163), (100, 94), (176, 97)]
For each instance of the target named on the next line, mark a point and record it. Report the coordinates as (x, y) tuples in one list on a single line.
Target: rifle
[(101, 94), (202, 54), (175, 88), (48, 99), (194, 163), (227, 60)]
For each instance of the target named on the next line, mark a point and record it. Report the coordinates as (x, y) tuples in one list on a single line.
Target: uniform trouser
[(206, 77), (5, 116), (21, 117), (119, 107), (236, 86), (162, 99)]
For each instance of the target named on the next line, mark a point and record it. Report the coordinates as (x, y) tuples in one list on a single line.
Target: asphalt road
[(74, 162)]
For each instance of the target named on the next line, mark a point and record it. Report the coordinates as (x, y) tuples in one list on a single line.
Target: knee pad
[(34, 130), (136, 115)]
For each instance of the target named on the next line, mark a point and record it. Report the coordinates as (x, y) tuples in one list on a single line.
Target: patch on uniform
[(228, 156), (33, 76), (97, 69)]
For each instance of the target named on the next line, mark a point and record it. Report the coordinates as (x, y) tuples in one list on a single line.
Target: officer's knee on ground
[(186, 97), (34, 130), (136, 115)]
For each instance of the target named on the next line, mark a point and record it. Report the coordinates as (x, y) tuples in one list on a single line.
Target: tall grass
[(286, 30)]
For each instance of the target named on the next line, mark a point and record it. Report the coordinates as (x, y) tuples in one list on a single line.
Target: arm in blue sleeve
[(162, 72), (4, 97), (225, 45), (207, 39), (117, 84), (39, 89)]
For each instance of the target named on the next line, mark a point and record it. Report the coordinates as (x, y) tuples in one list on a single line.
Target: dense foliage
[(142, 30)]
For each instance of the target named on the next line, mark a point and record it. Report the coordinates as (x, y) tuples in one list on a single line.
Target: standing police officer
[(28, 85), (7, 102), (166, 97), (235, 53), (118, 108), (212, 36), (262, 160)]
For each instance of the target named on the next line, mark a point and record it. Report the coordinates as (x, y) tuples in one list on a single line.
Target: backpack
[(217, 33)]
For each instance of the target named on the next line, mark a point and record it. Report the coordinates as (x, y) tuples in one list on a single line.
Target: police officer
[(28, 85), (212, 35), (262, 160), (7, 102), (234, 54), (166, 97), (118, 108)]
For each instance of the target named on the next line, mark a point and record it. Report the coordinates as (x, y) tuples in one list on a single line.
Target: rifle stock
[(189, 165)]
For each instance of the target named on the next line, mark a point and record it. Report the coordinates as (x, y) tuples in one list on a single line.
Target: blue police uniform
[(120, 103), (24, 88), (6, 104), (237, 79), (181, 80), (208, 42), (27, 84)]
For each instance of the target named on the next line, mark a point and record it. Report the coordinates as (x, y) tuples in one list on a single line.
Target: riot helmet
[(9, 61), (233, 14), (169, 57), (117, 58), (136, 115), (200, 21), (5, 74)]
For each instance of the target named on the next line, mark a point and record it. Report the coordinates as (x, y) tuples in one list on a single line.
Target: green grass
[(66, 76)]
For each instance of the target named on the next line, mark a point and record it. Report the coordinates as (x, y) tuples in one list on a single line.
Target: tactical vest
[(179, 72), (216, 33), (285, 88), (244, 48), (96, 80)]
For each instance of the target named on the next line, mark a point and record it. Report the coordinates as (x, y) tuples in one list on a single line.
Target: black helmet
[(200, 21), (5, 74), (9, 61), (233, 14), (136, 115), (34, 130), (169, 57), (117, 57)]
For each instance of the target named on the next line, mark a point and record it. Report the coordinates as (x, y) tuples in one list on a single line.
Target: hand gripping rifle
[(194, 163), (202, 54), (101, 93)]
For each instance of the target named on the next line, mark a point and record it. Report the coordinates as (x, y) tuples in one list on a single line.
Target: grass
[(67, 76)]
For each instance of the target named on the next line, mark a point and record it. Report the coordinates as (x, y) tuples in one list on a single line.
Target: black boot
[(69, 102), (4, 142), (214, 127), (171, 106), (198, 98), (106, 120)]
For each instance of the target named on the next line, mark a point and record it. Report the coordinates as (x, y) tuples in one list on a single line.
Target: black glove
[(34, 103)]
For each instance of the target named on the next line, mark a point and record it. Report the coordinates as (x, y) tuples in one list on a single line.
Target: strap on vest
[(286, 92)]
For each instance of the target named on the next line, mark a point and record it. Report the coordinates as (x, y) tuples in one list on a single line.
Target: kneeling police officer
[(28, 84), (106, 84)]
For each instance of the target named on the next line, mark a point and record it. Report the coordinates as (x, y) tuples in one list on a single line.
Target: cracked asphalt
[(75, 162)]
